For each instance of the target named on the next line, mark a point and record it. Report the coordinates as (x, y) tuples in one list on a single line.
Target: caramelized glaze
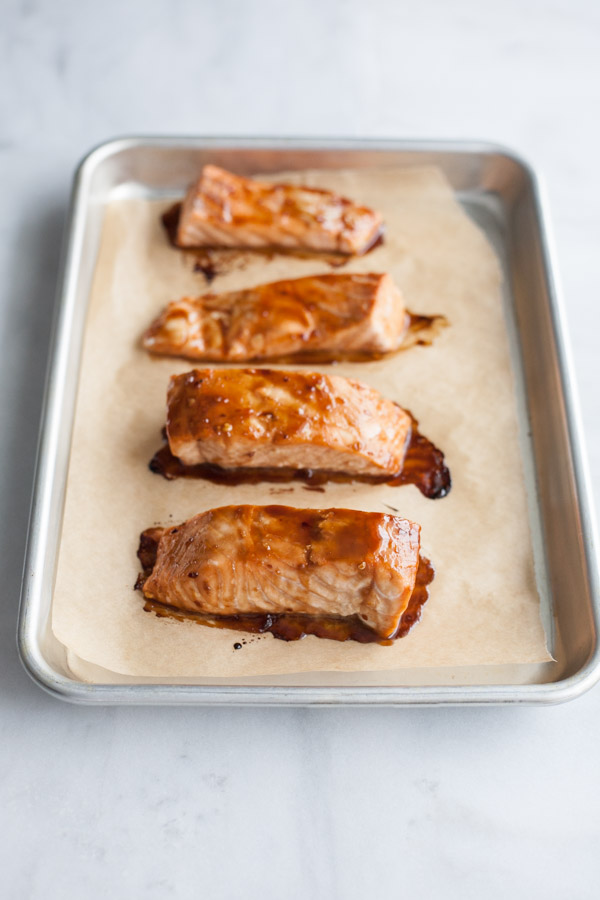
[(423, 466), (288, 627), (279, 417), (214, 261), (332, 313), (250, 560), (223, 209)]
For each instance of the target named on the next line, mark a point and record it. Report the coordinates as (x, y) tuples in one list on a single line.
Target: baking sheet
[(484, 606)]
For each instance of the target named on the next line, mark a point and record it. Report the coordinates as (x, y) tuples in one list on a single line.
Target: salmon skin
[(335, 313), (252, 560), (225, 210), (274, 418)]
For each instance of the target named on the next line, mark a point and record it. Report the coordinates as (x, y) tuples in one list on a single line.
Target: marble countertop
[(227, 803)]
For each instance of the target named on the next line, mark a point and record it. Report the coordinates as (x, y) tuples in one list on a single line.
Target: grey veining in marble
[(159, 803)]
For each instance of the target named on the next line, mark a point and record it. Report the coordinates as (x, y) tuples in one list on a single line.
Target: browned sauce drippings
[(422, 330), (213, 261), (208, 261), (170, 220), (423, 466), (286, 626)]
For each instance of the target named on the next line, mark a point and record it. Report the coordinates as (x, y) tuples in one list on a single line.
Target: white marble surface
[(186, 803)]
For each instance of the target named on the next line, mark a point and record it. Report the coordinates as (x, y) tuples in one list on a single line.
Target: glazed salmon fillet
[(352, 313), (271, 418), (225, 210), (251, 560)]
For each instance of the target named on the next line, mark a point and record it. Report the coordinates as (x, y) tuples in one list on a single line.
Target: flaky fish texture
[(225, 210), (277, 418), (335, 313), (249, 560)]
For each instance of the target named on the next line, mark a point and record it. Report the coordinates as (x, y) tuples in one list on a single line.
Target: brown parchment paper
[(484, 606)]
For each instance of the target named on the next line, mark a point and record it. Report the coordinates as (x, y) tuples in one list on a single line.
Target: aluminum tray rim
[(64, 688)]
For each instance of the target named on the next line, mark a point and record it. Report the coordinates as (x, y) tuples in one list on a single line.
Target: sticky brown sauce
[(213, 261), (286, 626), (423, 466)]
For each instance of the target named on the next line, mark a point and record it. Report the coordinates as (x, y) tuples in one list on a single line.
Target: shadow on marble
[(32, 276)]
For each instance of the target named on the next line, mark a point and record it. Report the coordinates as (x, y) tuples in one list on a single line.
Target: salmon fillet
[(250, 560), (270, 418), (226, 210), (357, 313)]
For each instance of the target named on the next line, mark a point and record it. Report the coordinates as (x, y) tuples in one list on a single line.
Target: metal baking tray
[(502, 194)]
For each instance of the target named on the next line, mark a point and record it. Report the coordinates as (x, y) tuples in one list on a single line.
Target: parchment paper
[(484, 606)]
